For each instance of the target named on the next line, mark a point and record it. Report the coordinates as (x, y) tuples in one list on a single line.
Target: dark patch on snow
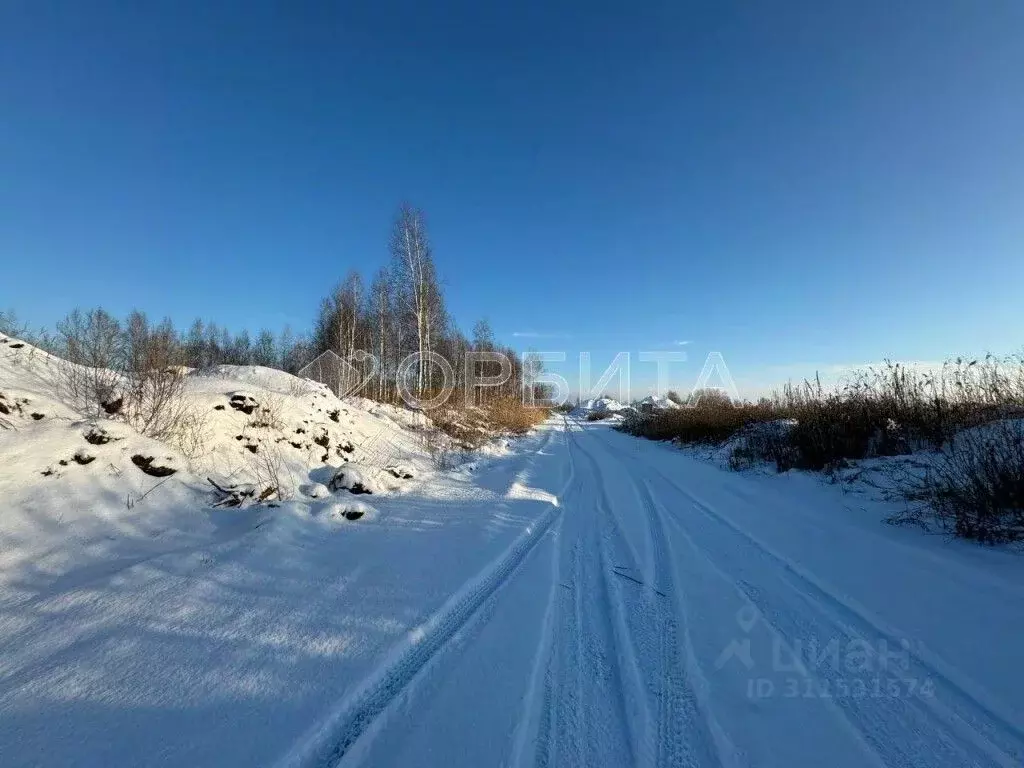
[(9, 407), (83, 458), (218, 407), (145, 463), (97, 436), (244, 403), (38, 416), (334, 414), (113, 406)]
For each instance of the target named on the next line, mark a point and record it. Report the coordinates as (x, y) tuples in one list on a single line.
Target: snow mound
[(653, 403), (314, 490), (600, 405), (354, 479), (350, 509)]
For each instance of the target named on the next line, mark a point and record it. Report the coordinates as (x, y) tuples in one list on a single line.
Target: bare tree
[(93, 349), (264, 352), (415, 279), (133, 372), (154, 379), (195, 345), (379, 310)]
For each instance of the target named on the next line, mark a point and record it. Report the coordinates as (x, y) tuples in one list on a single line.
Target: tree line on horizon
[(400, 312)]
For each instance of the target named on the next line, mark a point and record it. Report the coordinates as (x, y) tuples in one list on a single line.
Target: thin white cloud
[(682, 343)]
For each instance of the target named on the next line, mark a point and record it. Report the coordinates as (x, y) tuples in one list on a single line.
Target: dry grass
[(878, 412), (974, 488), (707, 423), (472, 426), (975, 485), (512, 416)]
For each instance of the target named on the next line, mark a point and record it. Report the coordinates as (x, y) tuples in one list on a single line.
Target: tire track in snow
[(699, 554), (532, 740), (962, 728), (962, 723), (680, 702), (561, 714), (684, 733), (968, 715), (634, 622), (330, 742), (602, 655), (587, 717)]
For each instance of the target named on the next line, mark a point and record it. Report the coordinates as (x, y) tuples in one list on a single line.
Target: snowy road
[(674, 614), (591, 600)]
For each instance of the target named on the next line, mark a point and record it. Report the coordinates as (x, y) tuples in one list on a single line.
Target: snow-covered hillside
[(71, 484)]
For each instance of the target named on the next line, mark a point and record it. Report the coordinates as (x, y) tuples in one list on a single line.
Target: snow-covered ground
[(141, 625), (577, 598)]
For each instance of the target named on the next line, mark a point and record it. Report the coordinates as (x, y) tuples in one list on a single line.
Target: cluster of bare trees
[(400, 321), (131, 369), (206, 344), (403, 322)]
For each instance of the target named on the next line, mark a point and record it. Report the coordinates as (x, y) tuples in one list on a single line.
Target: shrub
[(884, 411), (131, 371), (974, 487), (707, 421), (471, 426), (93, 349), (968, 413), (513, 416)]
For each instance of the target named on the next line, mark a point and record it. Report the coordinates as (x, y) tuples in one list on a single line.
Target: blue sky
[(797, 185)]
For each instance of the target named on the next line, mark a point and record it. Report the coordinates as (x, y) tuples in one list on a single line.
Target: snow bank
[(79, 489)]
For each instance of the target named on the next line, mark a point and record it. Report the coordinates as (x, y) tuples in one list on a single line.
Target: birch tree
[(379, 311), (415, 279)]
